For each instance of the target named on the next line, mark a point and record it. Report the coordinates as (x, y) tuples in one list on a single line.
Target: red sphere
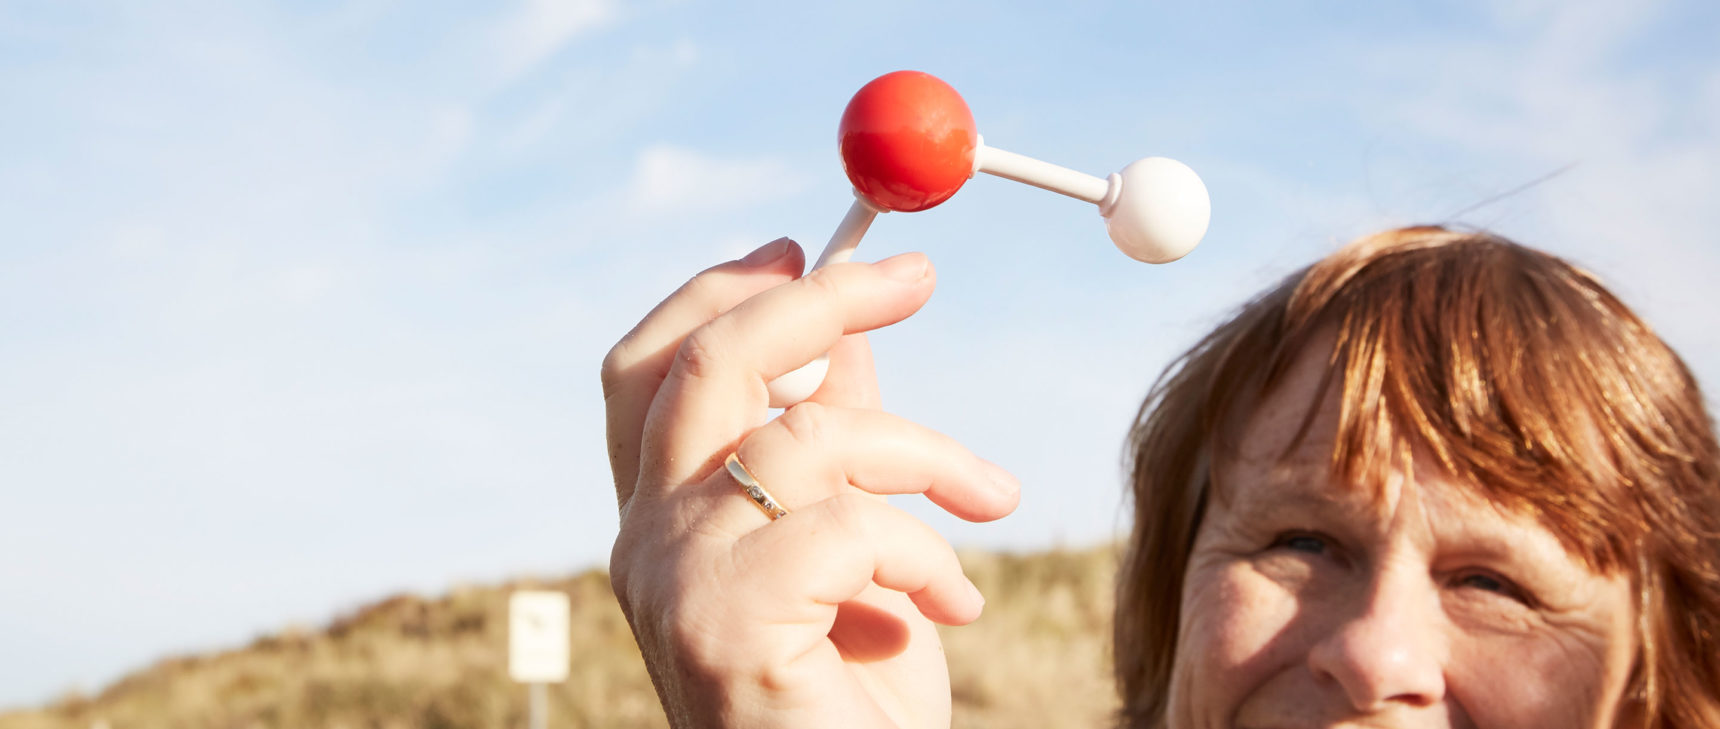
[(907, 141)]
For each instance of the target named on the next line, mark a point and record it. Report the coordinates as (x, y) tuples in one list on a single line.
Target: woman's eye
[(1483, 582), (1308, 543), (1494, 584)]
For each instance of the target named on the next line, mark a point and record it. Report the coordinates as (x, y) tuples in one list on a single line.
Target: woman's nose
[(1386, 646)]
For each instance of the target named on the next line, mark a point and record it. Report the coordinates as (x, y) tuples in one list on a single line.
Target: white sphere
[(798, 385), (1157, 210)]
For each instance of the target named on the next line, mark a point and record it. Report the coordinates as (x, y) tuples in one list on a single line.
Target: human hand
[(824, 617)]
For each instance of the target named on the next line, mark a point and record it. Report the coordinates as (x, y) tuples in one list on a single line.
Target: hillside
[(1038, 658)]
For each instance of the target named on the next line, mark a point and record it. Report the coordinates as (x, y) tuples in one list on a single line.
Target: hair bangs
[(1440, 350)]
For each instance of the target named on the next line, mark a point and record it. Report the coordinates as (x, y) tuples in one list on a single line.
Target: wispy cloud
[(538, 28), (214, 256), (1642, 143), (670, 178)]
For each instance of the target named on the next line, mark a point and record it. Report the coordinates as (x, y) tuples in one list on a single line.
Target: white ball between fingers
[(798, 385)]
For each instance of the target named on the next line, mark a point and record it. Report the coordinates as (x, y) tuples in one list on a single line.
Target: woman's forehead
[(1297, 419)]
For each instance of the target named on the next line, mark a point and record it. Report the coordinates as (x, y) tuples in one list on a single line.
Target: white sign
[(538, 636)]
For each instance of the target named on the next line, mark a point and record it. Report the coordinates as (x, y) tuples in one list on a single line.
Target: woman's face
[(1413, 603)]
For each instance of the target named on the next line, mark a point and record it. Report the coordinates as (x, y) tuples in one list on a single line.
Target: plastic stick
[(1043, 175), (848, 234), (798, 385)]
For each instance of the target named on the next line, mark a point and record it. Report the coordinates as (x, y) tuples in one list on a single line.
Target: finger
[(852, 380), (813, 452), (825, 554), (715, 389), (635, 367)]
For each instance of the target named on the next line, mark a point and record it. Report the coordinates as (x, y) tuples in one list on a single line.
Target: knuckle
[(701, 352), (805, 423), (615, 366), (622, 570), (776, 676), (852, 513), (619, 581), (636, 561), (823, 283), (700, 290)]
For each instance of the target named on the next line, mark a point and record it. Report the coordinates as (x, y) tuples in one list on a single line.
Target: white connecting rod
[(1155, 209), (1043, 175)]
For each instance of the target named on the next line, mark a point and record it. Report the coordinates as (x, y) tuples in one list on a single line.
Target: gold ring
[(760, 497)]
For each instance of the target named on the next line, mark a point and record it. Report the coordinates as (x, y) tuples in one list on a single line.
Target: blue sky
[(302, 304)]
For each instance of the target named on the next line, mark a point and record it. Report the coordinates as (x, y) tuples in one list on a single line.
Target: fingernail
[(906, 267), (978, 597), (767, 253)]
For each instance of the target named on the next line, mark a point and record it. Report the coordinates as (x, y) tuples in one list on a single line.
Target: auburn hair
[(1520, 373)]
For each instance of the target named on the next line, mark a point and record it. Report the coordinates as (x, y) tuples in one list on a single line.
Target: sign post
[(538, 644)]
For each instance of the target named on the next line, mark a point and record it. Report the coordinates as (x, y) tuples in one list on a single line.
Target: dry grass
[(1036, 659), (1040, 655)]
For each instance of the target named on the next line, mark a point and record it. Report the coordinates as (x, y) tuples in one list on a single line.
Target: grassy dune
[(1036, 659)]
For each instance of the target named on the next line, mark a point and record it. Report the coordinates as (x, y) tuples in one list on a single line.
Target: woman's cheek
[(1544, 679), (1234, 618)]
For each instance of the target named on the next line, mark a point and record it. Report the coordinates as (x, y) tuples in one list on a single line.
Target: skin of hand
[(825, 616)]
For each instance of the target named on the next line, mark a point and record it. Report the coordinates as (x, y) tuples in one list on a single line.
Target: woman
[(1436, 479)]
